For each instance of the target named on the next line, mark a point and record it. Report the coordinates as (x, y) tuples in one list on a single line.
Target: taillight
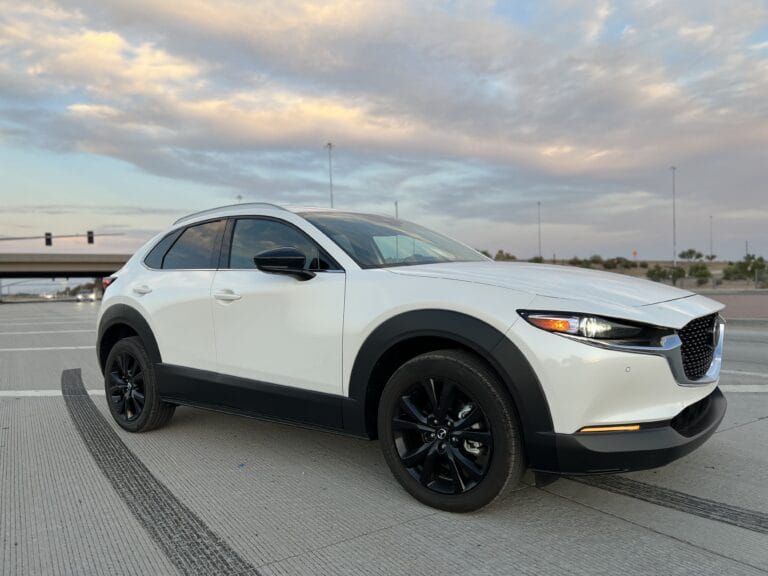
[(106, 282)]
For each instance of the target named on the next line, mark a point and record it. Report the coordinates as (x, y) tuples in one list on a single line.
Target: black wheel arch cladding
[(507, 361), (121, 316)]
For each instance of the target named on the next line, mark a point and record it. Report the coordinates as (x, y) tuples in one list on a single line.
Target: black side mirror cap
[(288, 260)]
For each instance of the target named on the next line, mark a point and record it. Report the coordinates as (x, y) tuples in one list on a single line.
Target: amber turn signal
[(555, 324)]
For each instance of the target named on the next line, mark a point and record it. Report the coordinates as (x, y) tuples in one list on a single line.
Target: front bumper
[(655, 444)]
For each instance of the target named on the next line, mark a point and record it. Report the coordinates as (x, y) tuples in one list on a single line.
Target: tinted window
[(253, 236), (196, 247), (155, 257), (379, 242)]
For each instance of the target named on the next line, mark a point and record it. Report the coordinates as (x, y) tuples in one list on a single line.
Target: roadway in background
[(214, 494)]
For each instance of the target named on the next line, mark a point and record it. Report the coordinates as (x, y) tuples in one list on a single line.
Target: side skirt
[(245, 397)]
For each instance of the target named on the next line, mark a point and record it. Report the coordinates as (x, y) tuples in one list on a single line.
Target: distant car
[(466, 369), (86, 296)]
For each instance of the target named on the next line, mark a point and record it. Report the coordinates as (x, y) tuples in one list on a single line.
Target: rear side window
[(252, 236), (196, 248), (155, 257)]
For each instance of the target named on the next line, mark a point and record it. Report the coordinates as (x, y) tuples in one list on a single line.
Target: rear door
[(273, 328), (176, 292)]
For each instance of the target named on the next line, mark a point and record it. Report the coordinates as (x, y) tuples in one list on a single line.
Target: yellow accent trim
[(624, 428)]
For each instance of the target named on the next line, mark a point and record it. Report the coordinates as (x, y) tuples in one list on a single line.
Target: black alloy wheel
[(131, 387), (448, 431), (126, 392), (442, 436)]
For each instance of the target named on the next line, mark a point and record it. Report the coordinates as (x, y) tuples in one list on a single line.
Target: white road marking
[(47, 348), (91, 322), (40, 393), (745, 388), (744, 373), (44, 332)]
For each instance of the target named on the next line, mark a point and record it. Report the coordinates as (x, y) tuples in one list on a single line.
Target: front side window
[(254, 236), (196, 248), (381, 242)]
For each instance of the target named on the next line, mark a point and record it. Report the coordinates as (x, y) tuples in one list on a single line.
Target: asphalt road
[(216, 494)]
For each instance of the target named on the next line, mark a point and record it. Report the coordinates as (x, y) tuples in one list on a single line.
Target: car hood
[(561, 282)]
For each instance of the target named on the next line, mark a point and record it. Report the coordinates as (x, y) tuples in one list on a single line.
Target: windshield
[(380, 242)]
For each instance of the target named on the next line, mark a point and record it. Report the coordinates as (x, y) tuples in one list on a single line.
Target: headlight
[(595, 327)]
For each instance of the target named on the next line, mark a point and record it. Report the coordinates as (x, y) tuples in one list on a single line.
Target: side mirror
[(289, 261)]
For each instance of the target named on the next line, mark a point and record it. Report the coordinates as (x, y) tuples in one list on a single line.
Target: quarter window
[(196, 248), (155, 257)]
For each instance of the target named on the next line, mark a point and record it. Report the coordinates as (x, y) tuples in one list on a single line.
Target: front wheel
[(448, 432), (131, 388)]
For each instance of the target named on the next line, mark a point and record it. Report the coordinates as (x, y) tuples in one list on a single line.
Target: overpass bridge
[(41, 265)]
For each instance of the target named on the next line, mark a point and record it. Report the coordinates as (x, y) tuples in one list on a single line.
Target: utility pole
[(397, 215), (710, 236), (539, 210), (674, 220), (329, 145)]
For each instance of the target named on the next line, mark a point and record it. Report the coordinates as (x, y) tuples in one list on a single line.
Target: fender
[(123, 314), (489, 343)]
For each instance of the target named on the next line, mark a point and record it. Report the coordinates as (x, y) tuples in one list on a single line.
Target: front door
[(272, 328)]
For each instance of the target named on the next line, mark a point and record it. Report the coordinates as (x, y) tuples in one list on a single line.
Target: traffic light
[(90, 236), (48, 239)]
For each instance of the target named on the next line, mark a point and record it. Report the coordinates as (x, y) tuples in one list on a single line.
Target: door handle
[(142, 289), (226, 295)]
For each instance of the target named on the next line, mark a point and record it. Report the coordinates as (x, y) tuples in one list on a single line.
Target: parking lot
[(217, 494)]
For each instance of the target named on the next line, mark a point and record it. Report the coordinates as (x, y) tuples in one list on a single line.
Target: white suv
[(466, 370)]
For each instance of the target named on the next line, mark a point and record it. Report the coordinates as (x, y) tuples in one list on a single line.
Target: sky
[(119, 117)]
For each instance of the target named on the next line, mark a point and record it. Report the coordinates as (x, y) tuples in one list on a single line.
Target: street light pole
[(329, 145), (674, 220), (538, 204), (711, 250)]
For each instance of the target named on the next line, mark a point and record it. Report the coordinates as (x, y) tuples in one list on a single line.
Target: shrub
[(503, 256), (676, 274), (624, 263), (580, 263), (745, 269), (701, 272), (657, 273)]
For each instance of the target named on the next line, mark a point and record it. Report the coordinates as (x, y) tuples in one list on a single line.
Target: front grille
[(698, 345)]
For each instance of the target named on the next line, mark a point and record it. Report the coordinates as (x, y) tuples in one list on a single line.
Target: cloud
[(697, 33), (595, 24), (464, 112)]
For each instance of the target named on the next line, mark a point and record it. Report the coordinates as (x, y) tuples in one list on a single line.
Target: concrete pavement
[(212, 492)]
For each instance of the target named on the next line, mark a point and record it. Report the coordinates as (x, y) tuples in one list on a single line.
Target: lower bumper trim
[(647, 448)]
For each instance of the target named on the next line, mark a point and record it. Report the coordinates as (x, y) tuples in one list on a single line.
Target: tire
[(131, 388), (449, 433)]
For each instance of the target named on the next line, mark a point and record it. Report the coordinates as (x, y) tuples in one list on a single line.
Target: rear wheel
[(131, 388), (448, 431)]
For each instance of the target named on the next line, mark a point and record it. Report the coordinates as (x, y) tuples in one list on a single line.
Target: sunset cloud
[(493, 106)]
